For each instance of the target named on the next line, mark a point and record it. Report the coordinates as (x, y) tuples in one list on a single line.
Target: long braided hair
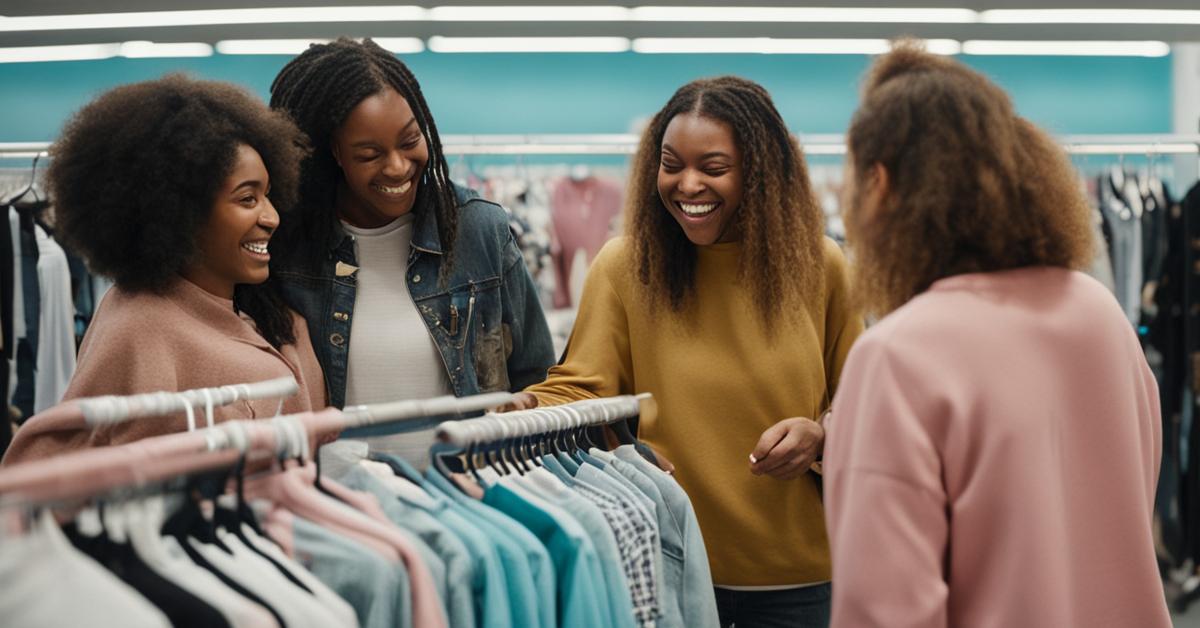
[(318, 89), (779, 218)]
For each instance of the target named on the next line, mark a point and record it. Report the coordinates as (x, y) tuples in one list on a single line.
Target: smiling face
[(232, 245), (700, 177), (382, 154)]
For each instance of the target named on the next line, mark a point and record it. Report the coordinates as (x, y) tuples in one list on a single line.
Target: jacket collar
[(425, 229)]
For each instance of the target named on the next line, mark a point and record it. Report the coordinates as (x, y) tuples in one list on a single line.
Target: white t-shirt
[(392, 355)]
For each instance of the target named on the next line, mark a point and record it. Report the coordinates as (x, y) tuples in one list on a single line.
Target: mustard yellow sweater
[(719, 381)]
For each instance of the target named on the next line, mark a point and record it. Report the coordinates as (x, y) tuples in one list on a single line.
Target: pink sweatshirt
[(991, 461), (179, 339)]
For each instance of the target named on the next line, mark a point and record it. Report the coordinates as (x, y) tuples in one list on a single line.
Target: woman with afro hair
[(994, 447), (727, 303), (412, 287), (172, 188)]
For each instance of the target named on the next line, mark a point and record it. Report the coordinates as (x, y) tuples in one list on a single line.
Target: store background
[(608, 93)]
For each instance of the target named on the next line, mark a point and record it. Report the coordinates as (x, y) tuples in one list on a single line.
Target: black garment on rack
[(1189, 490), (7, 263), (31, 293), (1166, 336), (229, 520), (188, 521), (182, 608)]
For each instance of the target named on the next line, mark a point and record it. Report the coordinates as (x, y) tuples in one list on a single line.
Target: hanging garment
[(696, 601), (182, 608), (41, 568), (574, 556), (583, 213), (7, 340), (1121, 207), (56, 324)]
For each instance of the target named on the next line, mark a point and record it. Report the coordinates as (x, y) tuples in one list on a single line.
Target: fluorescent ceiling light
[(266, 46), (1068, 48), (79, 52), (401, 45), (528, 44), (1130, 149), (149, 49), (803, 14), (1090, 16), (767, 45), (204, 17), (529, 14)]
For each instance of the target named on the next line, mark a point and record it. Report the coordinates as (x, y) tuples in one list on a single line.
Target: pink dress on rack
[(992, 460), (583, 213)]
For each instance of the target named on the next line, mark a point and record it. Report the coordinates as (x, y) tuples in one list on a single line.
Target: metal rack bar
[(814, 144)]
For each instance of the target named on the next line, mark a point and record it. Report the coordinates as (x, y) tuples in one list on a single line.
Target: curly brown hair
[(972, 187), (136, 172), (779, 218)]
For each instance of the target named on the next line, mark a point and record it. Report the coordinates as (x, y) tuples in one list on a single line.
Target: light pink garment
[(294, 490), (991, 461), (582, 214)]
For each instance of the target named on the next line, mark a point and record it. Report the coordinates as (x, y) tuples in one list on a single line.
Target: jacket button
[(341, 316), (337, 339), (416, 279)]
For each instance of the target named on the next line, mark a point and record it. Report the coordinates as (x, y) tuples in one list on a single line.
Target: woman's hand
[(521, 401), (787, 449)]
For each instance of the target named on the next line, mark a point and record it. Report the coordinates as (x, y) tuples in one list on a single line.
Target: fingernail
[(753, 460)]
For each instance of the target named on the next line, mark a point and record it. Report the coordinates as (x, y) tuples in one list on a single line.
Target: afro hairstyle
[(136, 172)]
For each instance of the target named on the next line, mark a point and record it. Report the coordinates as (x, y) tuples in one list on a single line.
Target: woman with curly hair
[(994, 447), (727, 303), (412, 287), (172, 188)]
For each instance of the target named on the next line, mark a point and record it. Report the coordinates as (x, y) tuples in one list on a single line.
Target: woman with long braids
[(411, 286), (728, 304)]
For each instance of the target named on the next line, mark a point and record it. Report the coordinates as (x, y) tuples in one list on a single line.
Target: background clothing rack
[(814, 144)]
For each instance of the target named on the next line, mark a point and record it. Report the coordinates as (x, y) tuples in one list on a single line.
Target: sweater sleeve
[(120, 355), (885, 503), (843, 322), (597, 361)]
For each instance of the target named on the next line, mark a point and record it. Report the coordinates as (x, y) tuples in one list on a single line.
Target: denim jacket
[(486, 321)]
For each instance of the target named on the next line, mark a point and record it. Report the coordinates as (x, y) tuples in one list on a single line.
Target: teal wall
[(603, 93)]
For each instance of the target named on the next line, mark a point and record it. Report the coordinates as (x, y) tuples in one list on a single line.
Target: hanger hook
[(208, 405), (191, 412)]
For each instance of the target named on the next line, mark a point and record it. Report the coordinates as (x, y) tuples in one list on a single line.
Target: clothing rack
[(117, 409), (626, 144), (391, 412), (496, 426), (86, 473)]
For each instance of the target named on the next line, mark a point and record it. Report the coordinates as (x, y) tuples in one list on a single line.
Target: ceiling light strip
[(528, 44), (1068, 48), (768, 45), (1090, 16), (265, 46), (149, 49), (803, 14), (530, 14), (210, 17)]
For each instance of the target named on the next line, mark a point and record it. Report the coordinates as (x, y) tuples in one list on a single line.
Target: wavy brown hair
[(779, 219), (972, 187)]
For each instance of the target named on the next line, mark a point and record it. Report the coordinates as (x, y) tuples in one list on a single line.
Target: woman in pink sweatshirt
[(994, 446), (172, 188)]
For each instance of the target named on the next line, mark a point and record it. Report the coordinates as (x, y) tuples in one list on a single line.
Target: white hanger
[(208, 406)]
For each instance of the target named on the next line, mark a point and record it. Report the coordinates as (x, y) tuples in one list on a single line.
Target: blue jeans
[(805, 607)]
